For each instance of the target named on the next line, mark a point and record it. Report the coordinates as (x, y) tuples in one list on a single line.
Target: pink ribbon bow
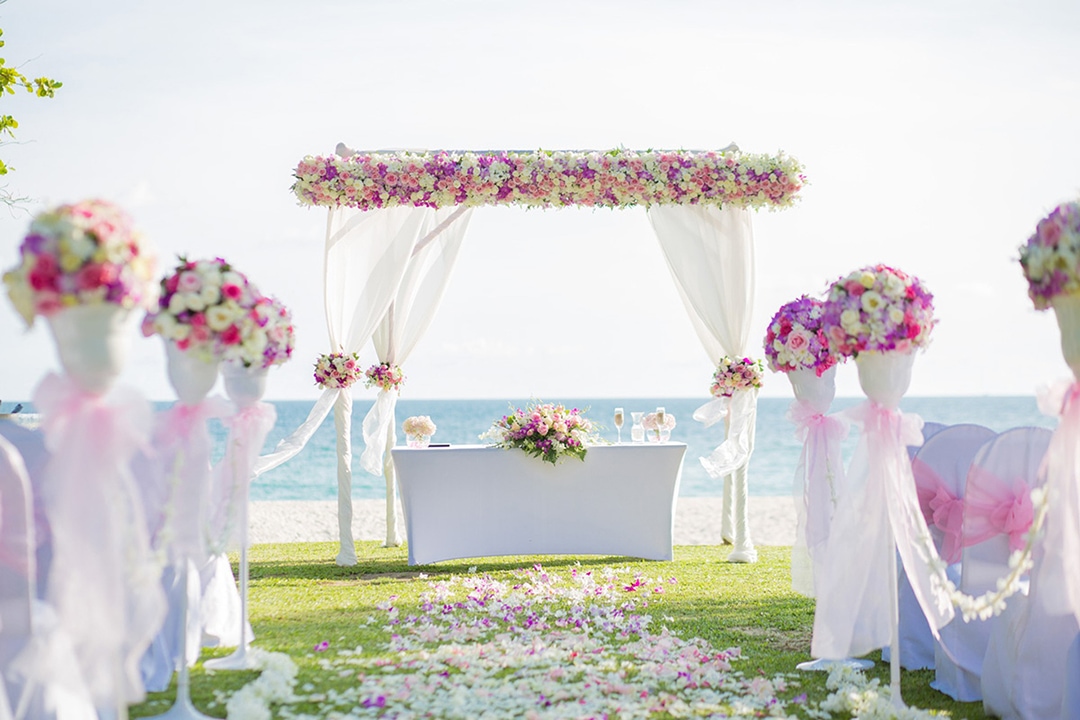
[(941, 509), (994, 507)]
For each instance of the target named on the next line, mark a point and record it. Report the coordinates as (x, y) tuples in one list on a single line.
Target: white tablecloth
[(473, 501)]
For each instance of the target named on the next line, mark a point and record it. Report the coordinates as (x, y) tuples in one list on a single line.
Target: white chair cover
[(1014, 455), (40, 674), (710, 253), (940, 467), (406, 321), (1027, 659), (1070, 700)]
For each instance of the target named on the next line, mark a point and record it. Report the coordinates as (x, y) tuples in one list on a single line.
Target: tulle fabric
[(941, 509), (818, 478), (996, 506), (232, 476), (104, 578), (740, 411), (878, 515)]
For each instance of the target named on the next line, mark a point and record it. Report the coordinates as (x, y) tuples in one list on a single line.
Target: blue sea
[(312, 475)]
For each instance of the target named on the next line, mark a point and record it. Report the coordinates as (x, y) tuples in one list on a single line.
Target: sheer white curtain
[(367, 254), (710, 253), (404, 323)]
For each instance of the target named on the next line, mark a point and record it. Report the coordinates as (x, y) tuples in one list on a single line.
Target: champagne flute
[(661, 418), (619, 423)]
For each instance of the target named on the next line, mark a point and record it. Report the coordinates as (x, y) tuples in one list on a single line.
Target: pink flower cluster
[(734, 374), (617, 178), (385, 377), (337, 370), (544, 430), (1051, 258), (210, 309), (878, 309), (87, 253), (796, 338)]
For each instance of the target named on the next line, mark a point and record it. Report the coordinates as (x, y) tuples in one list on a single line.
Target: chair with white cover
[(40, 676), (940, 466), (997, 513)]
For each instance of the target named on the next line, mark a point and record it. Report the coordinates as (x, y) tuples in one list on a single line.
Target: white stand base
[(743, 556), (238, 659), (827, 665)]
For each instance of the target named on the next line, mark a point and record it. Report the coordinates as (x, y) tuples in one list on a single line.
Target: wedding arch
[(396, 222)]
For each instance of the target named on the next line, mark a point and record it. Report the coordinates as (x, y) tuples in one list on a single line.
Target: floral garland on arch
[(878, 309), (1051, 257), (796, 338), (385, 377), (544, 430), (337, 371), (545, 178), (87, 253), (734, 374)]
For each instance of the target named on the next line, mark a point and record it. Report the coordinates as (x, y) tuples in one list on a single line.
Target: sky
[(934, 136)]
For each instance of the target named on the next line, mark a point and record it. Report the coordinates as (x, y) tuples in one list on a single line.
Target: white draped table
[(475, 501)]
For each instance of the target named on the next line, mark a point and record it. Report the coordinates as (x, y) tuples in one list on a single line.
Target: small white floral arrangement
[(87, 253), (418, 425), (651, 423), (736, 374), (337, 370), (204, 308)]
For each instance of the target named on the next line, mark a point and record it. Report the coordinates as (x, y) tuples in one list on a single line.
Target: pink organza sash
[(940, 509), (995, 506), (104, 580), (182, 442), (878, 514), (228, 521), (818, 477)]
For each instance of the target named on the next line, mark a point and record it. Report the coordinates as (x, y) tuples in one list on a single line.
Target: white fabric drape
[(710, 253), (367, 254), (408, 317)]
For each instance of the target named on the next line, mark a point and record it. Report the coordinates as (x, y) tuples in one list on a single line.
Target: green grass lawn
[(299, 598)]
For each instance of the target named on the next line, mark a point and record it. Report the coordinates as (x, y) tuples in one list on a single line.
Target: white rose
[(177, 304), (896, 315), (194, 302), (211, 294), (218, 318), (849, 318)]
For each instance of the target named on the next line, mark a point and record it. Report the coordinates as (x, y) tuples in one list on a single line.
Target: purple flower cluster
[(796, 338), (618, 178), (1051, 258)]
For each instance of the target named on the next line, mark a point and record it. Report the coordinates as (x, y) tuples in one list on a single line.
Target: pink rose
[(44, 274), (189, 282), (201, 333), (854, 287), (231, 335), (95, 275), (231, 291), (797, 341)]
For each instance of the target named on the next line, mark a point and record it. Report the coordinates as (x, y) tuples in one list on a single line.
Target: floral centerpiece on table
[(337, 370), (205, 307), (651, 423), (736, 374), (269, 334), (87, 253), (796, 338), (1051, 257), (385, 377), (878, 309), (544, 430)]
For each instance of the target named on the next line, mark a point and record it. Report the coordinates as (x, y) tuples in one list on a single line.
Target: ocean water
[(312, 475)]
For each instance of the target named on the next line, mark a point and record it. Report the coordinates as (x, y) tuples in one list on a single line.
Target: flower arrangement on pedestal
[(385, 377), (1051, 257), (736, 374), (544, 430), (204, 308), (270, 333), (796, 338), (87, 253), (878, 309), (337, 370)]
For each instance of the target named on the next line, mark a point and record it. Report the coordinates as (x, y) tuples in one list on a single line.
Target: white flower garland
[(991, 603)]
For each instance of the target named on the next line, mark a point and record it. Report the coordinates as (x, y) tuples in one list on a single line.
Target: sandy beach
[(697, 521)]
